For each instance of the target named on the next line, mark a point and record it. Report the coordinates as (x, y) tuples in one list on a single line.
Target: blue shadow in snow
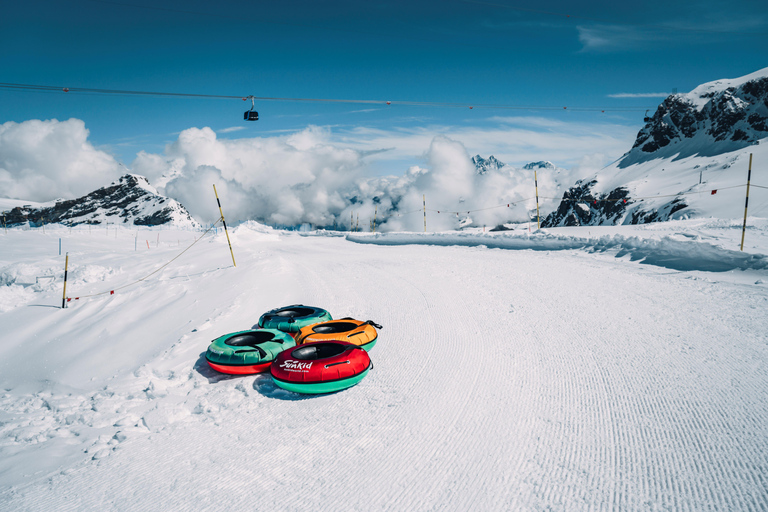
[(201, 366), (267, 387)]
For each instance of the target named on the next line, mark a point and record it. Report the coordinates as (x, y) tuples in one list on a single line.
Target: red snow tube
[(322, 367)]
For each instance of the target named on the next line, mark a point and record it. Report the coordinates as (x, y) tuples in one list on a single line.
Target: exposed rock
[(714, 118), (483, 166), (129, 200), (545, 164)]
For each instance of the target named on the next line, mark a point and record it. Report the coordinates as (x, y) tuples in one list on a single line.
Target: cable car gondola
[(251, 115)]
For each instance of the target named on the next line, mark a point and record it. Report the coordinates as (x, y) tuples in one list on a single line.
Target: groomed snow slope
[(566, 379)]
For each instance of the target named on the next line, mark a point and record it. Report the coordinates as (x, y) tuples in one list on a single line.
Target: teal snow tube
[(247, 352), (291, 319)]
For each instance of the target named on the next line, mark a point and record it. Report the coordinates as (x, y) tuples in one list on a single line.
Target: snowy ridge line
[(69, 299), (665, 252)]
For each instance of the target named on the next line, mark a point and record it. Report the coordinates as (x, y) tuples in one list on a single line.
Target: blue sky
[(494, 52)]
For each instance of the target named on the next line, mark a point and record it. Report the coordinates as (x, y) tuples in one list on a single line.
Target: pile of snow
[(711, 245)]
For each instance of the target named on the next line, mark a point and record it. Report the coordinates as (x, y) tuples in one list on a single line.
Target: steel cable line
[(432, 104), (508, 204), (151, 273), (563, 199)]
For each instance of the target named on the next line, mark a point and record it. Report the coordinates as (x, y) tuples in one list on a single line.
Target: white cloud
[(285, 179), (306, 177), (232, 129), (606, 38), (451, 186), (515, 140), (321, 176), (44, 160)]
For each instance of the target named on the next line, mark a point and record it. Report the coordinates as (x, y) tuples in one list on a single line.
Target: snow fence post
[(225, 226), (746, 203), (64, 295), (424, 202)]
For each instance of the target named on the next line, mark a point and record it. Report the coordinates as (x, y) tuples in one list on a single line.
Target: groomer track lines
[(503, 380)]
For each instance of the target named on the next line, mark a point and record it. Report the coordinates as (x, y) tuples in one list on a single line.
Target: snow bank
[(667, 251)]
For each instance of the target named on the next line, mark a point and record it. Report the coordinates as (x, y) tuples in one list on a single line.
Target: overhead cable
[(433, 104)]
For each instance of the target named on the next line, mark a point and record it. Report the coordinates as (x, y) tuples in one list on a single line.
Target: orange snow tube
[(362, 334)]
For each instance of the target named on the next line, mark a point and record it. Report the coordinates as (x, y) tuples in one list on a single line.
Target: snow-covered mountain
[(714, 118), (695, 143), (483, 166), (129, 200), (545, 164)]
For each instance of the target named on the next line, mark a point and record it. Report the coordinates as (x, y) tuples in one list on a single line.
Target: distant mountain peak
[(544, 164), (714, 118), (127, 200), (482, 165)]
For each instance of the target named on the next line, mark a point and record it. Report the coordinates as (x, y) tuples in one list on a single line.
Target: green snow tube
[(247, 352), (291, 319)]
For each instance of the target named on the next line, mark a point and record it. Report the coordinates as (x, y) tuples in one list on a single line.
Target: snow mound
[(668, 251)]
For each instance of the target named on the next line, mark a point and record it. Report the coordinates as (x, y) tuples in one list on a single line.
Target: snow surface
[(567, 369)]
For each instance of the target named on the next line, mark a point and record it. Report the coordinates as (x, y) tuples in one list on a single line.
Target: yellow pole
[(64, 295), (536, 183), (225, 226), (424, 202), (746, 204), (375, 214)]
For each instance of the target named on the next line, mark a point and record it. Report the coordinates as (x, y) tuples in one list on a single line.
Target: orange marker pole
[(225, 226)]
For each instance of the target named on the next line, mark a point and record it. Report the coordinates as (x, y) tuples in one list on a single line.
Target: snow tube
[(362, 334), (292, 318), (320, 367), (246, 352)]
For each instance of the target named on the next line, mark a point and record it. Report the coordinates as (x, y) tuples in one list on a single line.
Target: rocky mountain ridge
[(692, 138), (483, 165), (129, 200), (714, 118)]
